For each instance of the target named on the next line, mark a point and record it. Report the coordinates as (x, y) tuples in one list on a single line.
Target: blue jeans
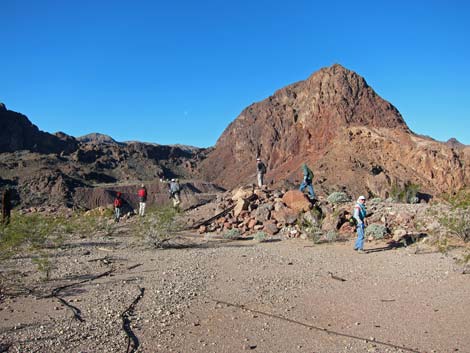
[(360, 237), (309, 186)]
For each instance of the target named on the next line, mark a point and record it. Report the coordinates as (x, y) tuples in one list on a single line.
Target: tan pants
[(176, 200)]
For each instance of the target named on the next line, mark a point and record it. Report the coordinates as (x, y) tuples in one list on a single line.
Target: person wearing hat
[(175, 192), (260, 171), (142, 193), (359, 215)]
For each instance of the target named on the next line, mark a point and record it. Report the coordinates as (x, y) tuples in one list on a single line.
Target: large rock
[(285, 216), (297, 201)]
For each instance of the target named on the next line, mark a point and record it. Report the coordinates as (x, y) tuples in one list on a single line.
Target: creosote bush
[(457, 223), (338, 197), (159, 225), (232, 234), (377, 231)]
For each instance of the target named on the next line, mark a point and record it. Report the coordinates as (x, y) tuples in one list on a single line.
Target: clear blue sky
[(181, 71)]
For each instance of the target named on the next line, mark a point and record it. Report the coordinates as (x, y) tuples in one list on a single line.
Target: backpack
[(117, 202), (352, 221)]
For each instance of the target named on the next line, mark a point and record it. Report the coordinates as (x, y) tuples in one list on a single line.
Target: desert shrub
[(28, 233), (376, 231), (406, 193), (159, 226), (260, 236), (460, 199), (338, 197), (33, 235), (331, 236), (232, 234), (313, 233), (457, 223)]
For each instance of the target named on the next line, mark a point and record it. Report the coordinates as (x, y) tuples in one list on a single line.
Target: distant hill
[(98, 138)]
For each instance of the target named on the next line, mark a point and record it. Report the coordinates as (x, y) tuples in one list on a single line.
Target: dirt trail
[(234, 296)]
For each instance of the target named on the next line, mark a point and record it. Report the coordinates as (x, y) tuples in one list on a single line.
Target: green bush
[(406, 193), (460, 199), (260, 236), (232, 234), (159, 225), (377, 231), (338, 197), (313, 233), (458, 223)]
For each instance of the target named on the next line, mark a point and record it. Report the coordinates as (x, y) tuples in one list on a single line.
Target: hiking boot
[(361, 251)]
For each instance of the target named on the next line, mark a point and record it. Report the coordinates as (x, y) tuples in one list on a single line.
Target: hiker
[(175, 192), (117, 207), (6, 206), (307, 182), (142, 199), (260, 171), (359, 215)]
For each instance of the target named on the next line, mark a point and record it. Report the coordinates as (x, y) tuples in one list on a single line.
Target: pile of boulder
[(250, 209)]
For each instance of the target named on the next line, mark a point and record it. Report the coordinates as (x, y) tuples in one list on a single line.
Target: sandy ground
[(213, 295)]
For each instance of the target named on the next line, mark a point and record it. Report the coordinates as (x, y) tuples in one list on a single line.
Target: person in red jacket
[(117, 207), (142, 193)]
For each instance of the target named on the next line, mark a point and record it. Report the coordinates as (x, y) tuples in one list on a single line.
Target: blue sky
[(181, 71)]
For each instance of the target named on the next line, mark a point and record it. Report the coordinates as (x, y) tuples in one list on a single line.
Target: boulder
[(297, 201), (285, 215)]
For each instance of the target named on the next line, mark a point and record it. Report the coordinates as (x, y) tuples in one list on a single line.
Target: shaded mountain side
[(18, 133), (52, 179), (315, 121)]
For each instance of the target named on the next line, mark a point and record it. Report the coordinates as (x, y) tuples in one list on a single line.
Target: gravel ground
[(213, 295)]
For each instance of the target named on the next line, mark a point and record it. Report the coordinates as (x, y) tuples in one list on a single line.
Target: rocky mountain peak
[(343, 129)]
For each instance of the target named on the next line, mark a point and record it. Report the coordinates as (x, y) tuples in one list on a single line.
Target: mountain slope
[(352, 138)]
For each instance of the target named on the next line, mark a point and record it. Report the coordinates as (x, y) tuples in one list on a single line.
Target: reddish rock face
[(351, 138)]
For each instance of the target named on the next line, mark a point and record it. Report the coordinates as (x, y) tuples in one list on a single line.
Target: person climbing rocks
[(359, 215), (307, 181), (260, 171), (142, 193), (117, 207)]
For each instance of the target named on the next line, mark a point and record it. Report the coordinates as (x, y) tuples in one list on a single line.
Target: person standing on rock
[(142, 193), (117, 207), (359, 215), (6, 206), (260, 171), (175, 192), (307, 181)]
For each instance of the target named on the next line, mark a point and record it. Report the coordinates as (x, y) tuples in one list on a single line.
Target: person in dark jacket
[(307, 181), (142, 193), (260, 171), (6, 206), (117, 207)]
